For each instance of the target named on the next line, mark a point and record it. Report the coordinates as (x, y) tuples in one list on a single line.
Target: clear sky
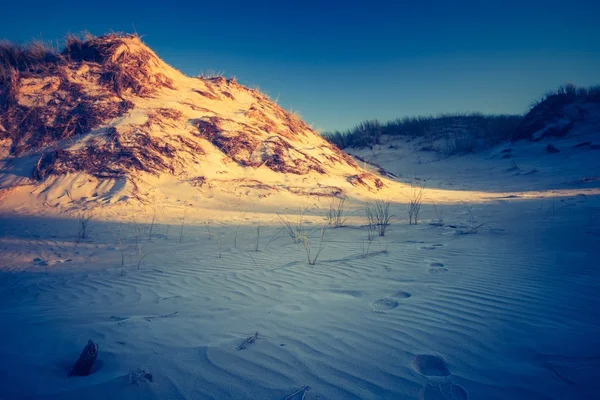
[(340, 62)]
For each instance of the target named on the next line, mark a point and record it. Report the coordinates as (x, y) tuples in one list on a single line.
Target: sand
[(507, 312)]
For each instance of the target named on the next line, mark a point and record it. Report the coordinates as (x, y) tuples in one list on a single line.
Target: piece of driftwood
[(248, 341), (84, 364)]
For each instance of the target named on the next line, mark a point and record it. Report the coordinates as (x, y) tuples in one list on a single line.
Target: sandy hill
[(106, 119), (568, 112)]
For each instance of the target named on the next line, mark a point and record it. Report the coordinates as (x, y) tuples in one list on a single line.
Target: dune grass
[(477, 127)]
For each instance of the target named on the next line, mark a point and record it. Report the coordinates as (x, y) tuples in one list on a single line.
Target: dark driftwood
[(84, 364), (248, 341)]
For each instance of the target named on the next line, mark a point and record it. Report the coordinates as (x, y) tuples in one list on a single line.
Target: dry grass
[(120, 63), (84, 223), (122, 152), (337, 213), (242, 144), (414, 202), (296, 227), (472, 226), (378, 216), (312, 255)]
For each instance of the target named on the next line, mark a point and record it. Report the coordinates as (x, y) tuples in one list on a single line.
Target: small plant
[(237, 230), (121, 247), (256, 236), (371, 224), (439, 214), (336, 214), (415, 200), (141, 258), (365, 249), (472, 227), (151, 228), (182, 226), (220, 244), (378, 216), (295, 228), (84, 218), (138, 243), (312, 257)]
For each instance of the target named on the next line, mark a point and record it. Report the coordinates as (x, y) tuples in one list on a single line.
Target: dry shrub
[(295, 124), (280, 156), (120, 62), (122, 153), (70, 112), (358, 179), (9, 87), (33, 57), (195, 107), (362, 180), (192, 147), (236, 145), (127, 65), (163, 118), (243, 145), (228, 95), (168, 113), (206, 94)]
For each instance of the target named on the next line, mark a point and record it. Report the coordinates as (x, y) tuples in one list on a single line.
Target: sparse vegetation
[(220, 243), (472, 226), (463, 132), (182, 225), (439, 214), (567, 93), (256, 236), (295, 228), (535, 125), (120, 245), (310, 254), (84, 218), (378, 216), (211, 74), (151, 227), (414, 202), (337, 212), (237, 230)]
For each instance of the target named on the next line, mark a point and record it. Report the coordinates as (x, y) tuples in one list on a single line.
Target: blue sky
[(337, 63)]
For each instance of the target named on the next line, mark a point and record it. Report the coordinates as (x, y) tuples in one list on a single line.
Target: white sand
[(511, 312)]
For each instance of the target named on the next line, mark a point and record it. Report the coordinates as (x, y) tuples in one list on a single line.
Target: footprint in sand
[(437, 268), (401, 294), (429, 365), (382, 305), (448, 391)]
